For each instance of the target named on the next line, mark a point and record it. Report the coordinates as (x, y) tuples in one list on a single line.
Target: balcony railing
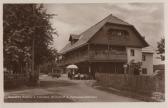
[(76, 57), (108, 55)]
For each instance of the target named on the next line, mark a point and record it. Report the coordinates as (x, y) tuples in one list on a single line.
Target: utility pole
[(33, 57), (32, 70)]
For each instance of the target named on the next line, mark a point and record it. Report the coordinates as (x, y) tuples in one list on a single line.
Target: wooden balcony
[(95, 56), (75, 58), (100, 53), (115, 56)]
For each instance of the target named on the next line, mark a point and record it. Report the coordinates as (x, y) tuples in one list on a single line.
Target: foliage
[(161, 48), (23, 24)]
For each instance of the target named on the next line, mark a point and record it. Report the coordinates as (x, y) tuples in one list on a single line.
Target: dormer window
[(73, 38)]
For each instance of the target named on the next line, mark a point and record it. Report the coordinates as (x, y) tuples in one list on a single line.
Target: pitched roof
[(86, 35), (148, 49)]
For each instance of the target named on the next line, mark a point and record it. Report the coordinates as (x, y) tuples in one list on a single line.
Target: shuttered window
[(143, 57), (132, 52)]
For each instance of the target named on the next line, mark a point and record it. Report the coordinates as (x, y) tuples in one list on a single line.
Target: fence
[(135, 83), (14, 80)]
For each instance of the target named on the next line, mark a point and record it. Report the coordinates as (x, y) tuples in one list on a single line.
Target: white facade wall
[(137, 54), (148, 63)]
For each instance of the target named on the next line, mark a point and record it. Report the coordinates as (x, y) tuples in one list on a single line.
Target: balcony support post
[(88, 49)]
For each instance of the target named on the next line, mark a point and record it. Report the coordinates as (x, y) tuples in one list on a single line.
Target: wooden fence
[(14, 80), (135, 83)]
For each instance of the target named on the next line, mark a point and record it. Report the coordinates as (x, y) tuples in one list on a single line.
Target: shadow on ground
[(128, 94), (42, 85), (45, 86)]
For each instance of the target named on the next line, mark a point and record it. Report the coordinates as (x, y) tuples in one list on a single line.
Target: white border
[(89, 104)]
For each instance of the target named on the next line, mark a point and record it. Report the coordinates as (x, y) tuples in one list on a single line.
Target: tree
[(161, 48), (24, 24)]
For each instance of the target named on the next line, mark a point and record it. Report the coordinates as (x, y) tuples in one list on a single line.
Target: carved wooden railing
[(80, 56), (108, 55)]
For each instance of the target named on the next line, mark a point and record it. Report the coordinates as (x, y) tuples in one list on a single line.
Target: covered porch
[(92, 67)]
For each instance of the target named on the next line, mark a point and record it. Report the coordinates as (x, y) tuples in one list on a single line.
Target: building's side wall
[(137, 55), (148, 63)]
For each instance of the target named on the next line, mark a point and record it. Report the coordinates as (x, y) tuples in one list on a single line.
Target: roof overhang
[(73, 48)]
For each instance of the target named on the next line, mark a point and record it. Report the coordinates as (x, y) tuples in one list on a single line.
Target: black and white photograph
[(83, 52)]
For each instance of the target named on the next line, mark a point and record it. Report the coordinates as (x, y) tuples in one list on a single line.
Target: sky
[(148, 19)]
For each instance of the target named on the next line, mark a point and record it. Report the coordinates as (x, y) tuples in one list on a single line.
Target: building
[(105, 47), (147, 61)]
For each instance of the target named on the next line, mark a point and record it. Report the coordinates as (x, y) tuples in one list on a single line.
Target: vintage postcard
[(83, 52)]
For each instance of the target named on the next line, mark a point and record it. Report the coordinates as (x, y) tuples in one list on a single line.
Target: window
[(144, 71), (143, 57), (117, 33), (132, 52)]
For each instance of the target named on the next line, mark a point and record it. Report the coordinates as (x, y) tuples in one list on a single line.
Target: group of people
[(77, 75), (70, 75)]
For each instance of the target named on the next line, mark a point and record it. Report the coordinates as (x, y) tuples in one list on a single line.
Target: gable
[(95, 30), (127, 36)]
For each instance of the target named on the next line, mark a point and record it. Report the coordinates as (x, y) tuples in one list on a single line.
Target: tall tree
[(161, 48), (24, 24)]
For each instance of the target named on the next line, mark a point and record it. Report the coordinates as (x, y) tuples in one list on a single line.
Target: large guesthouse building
[(106, 47)]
